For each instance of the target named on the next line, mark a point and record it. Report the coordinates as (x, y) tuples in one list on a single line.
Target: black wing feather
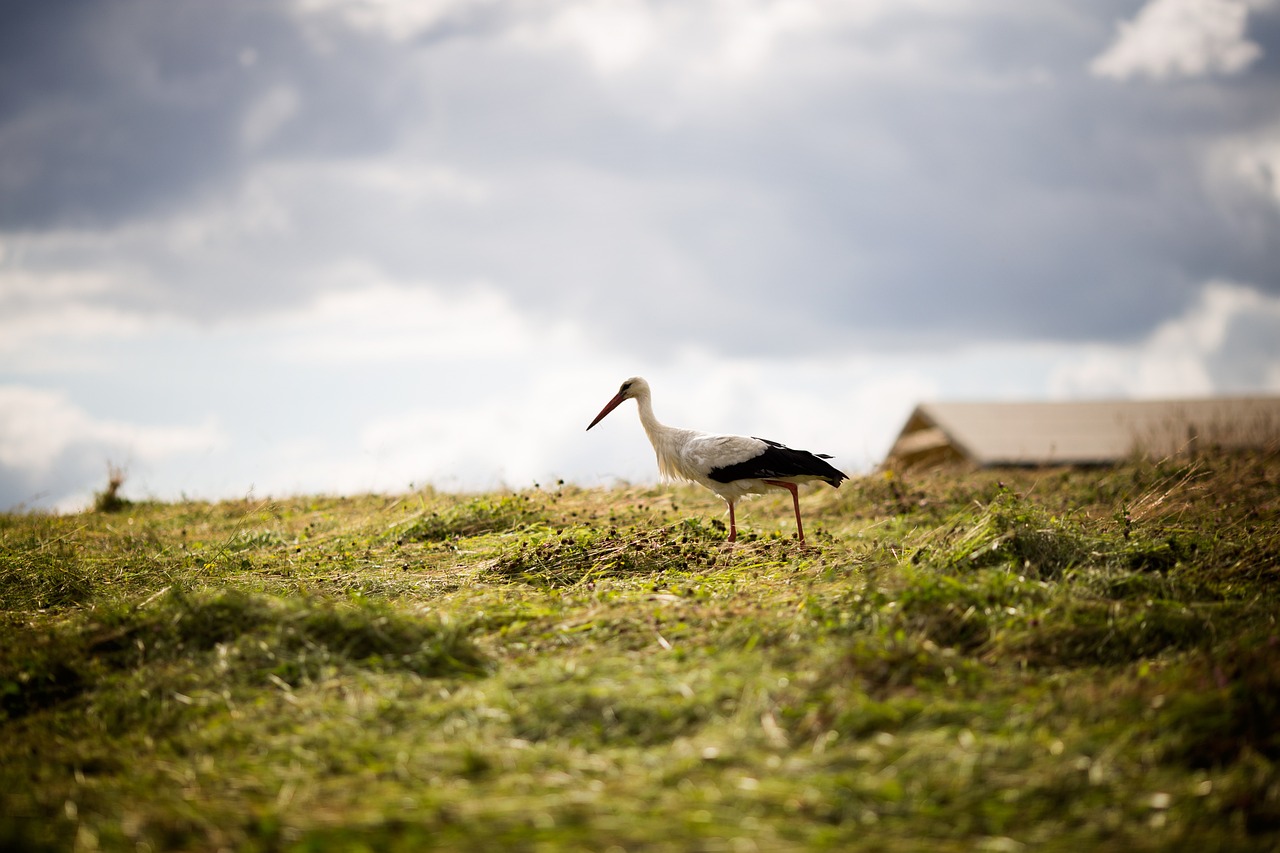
[(778, 460)]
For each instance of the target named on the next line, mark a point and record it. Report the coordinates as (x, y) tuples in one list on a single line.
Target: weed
[(109, 499)]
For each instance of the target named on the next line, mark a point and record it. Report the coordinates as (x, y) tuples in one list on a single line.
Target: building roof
[(1082, 433)]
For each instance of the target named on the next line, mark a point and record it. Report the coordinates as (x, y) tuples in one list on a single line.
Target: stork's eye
[(626, 386)]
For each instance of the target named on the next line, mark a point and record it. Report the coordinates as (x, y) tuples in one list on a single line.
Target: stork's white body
[(729, 465), (686, 454)]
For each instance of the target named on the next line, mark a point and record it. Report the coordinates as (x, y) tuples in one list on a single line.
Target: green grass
[(1048, 660)]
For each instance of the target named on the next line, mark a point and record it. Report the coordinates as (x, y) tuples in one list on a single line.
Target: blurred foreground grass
[(1049, 660)]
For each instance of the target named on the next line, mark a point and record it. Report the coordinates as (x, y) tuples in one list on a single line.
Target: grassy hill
[(1047, 660)]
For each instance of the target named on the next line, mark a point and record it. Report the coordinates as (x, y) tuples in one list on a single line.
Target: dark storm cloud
[(111, 109), (127, 108), (918, 178)]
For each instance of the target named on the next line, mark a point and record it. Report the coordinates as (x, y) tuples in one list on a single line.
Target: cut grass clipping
[(583, 555)]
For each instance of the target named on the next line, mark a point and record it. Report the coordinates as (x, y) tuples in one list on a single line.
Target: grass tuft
[(1009, 531), (228, 636), (39, 569), (110, 499), (1224, 704), (472, 518), (583, 555)]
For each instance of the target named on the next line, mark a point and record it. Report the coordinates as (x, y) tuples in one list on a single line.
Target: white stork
[(729, 465)]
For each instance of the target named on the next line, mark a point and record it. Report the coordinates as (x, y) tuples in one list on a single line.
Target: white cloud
[(399, 20), (383, 322), (1180, 38), (728, 38), (412, 180), (1249, 163), (689, 42), (38, 425), (40, 312), (268, 114), (1228, 341), (614, 34), (505, 439), (287, 225)]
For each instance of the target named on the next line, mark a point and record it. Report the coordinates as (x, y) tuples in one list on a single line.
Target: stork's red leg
[(733, 525), (795, 500)]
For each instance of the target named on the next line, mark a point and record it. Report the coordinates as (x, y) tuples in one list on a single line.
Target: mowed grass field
[(991, 660)]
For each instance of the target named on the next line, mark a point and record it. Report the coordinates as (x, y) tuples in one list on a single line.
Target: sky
[(257, 248)]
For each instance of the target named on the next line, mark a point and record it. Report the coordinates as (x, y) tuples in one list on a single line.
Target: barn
[(1097, 432)]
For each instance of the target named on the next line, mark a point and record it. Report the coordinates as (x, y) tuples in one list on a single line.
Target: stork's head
[(631, 389)]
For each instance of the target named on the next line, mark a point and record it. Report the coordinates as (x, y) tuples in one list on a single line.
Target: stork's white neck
[(652, 427), (666, 440)]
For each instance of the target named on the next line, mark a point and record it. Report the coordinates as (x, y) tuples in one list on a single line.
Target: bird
[(729, 465)]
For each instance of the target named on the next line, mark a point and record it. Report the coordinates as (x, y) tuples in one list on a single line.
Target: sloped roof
[(1082, 433)]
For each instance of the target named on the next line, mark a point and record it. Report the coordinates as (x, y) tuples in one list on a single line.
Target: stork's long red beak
[(609, 407)]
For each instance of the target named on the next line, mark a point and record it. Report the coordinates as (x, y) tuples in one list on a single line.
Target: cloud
[(613, 35), (51, 446), (127, 110), (398, 20), (726, 38), (1248, 166), (268, 115), (1180, 38), (40, 313), (382, 322), (1225, 343), (915, 173)]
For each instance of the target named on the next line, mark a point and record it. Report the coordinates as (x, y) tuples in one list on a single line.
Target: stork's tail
[(831, 474)]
